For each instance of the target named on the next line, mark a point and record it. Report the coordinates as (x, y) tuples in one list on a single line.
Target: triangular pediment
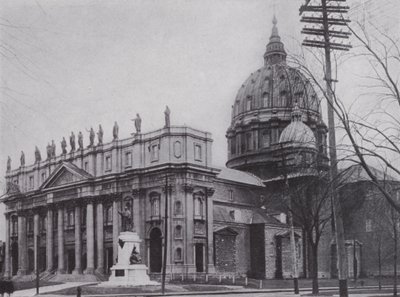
[(65, 174)]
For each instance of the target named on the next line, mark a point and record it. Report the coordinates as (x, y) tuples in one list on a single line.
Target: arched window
[(266, 138), (178, 232), (283, 98), (178, 254), (266, 101), (248, 103), (70, 218), (108, 215), (178, 207)]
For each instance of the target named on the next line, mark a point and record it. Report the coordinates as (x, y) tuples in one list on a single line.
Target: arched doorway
[(155, 250), (31, 260), (14, 257)]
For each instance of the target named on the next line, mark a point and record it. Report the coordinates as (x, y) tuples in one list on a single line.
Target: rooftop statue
[(8, 164), (38, 157), (115, 131), (48, 150), (22, 159), (64, 146), (167, 113), (72, 141), (53, 149), (80, 140), (100, 135), (138, 123), (91, 137)]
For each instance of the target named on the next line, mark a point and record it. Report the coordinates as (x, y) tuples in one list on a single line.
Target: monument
[(129, 269)]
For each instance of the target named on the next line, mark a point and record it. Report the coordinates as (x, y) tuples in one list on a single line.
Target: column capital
[(187, 188), (210, 191), (138, 192)]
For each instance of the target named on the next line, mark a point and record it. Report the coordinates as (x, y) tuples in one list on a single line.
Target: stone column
[(89, 238), (49, 240), (78, 241), (35, 238), (100, 238), (22, 248), (7, 270), (60, 237), (115, 230)]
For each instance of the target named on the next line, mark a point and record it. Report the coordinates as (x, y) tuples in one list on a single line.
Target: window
[(283, 98), (70, 218), (368, 225), (178, 207), (232, 214), (128, 159), (230, 195), (248, 142), (31, 182), (178, 254), (155, 205), (248, 104), (86, 166), (15, 181), (42, 223), (233, 145), (198, 206), (30, 225), (14, 225), (266, 101), (197, 152), (108, 215), (178, 232), (154, 152), (108, 163), (266, 138), (43, 176)]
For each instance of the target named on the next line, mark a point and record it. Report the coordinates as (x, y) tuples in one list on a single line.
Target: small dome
[(297, 133)]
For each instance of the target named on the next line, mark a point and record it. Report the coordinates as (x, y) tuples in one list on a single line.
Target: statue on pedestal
[(53, 149), (138, 123), (80, 140), (115, 131), (126, 218), (48, 150), (38, 157), (64, 146), (167, 113), (8, 164), (100, 135), (72, 141), (22, 159)]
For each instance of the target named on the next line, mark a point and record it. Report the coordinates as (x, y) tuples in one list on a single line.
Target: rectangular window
[(128, 159), (43, 176), (197, 152), (230, 195), (368, 225), (248, 142), (86, 166), (154, 152), (108, 163), (31, 182), (71, 218)]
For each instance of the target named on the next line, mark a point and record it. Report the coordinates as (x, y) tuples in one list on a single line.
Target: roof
[(357, 173), (239, 177)]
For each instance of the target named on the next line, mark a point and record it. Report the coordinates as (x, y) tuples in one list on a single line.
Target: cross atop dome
[(275, 52)]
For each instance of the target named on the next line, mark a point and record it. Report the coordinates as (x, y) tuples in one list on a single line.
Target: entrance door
[(42, 259), (108, 259), (155, 250), (70, 261), (31, 260), (199, 258), (14, 257), (278, 264)]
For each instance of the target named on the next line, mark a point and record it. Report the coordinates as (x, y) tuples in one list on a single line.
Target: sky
[(71, 65)]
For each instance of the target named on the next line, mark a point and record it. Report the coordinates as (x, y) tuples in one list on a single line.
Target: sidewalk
[(46, 289)]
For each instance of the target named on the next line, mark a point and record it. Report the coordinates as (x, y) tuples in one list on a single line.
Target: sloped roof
[(239, 177), (357, 173)]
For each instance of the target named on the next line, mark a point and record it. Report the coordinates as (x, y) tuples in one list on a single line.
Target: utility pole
[(325, 18)]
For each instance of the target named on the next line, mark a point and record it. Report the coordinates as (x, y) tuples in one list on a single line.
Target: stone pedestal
[(123, 273)]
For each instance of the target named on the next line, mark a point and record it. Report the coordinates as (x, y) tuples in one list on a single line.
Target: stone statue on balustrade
[(135, 257), (80, 140), (38, 157), (100, 135), (126, 218), (91, 137), (72, 142), (8, 164), (64, 146), (48, 151), (53, 149), (22, 159), (167, 114), (115, 131), (138, 123)]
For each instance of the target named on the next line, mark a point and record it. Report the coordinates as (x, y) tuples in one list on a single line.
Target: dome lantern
[(275, 52)]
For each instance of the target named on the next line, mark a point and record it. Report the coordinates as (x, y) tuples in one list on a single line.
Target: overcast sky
[(70, 65)]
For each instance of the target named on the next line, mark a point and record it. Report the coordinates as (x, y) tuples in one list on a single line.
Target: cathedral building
[(64, 213)]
